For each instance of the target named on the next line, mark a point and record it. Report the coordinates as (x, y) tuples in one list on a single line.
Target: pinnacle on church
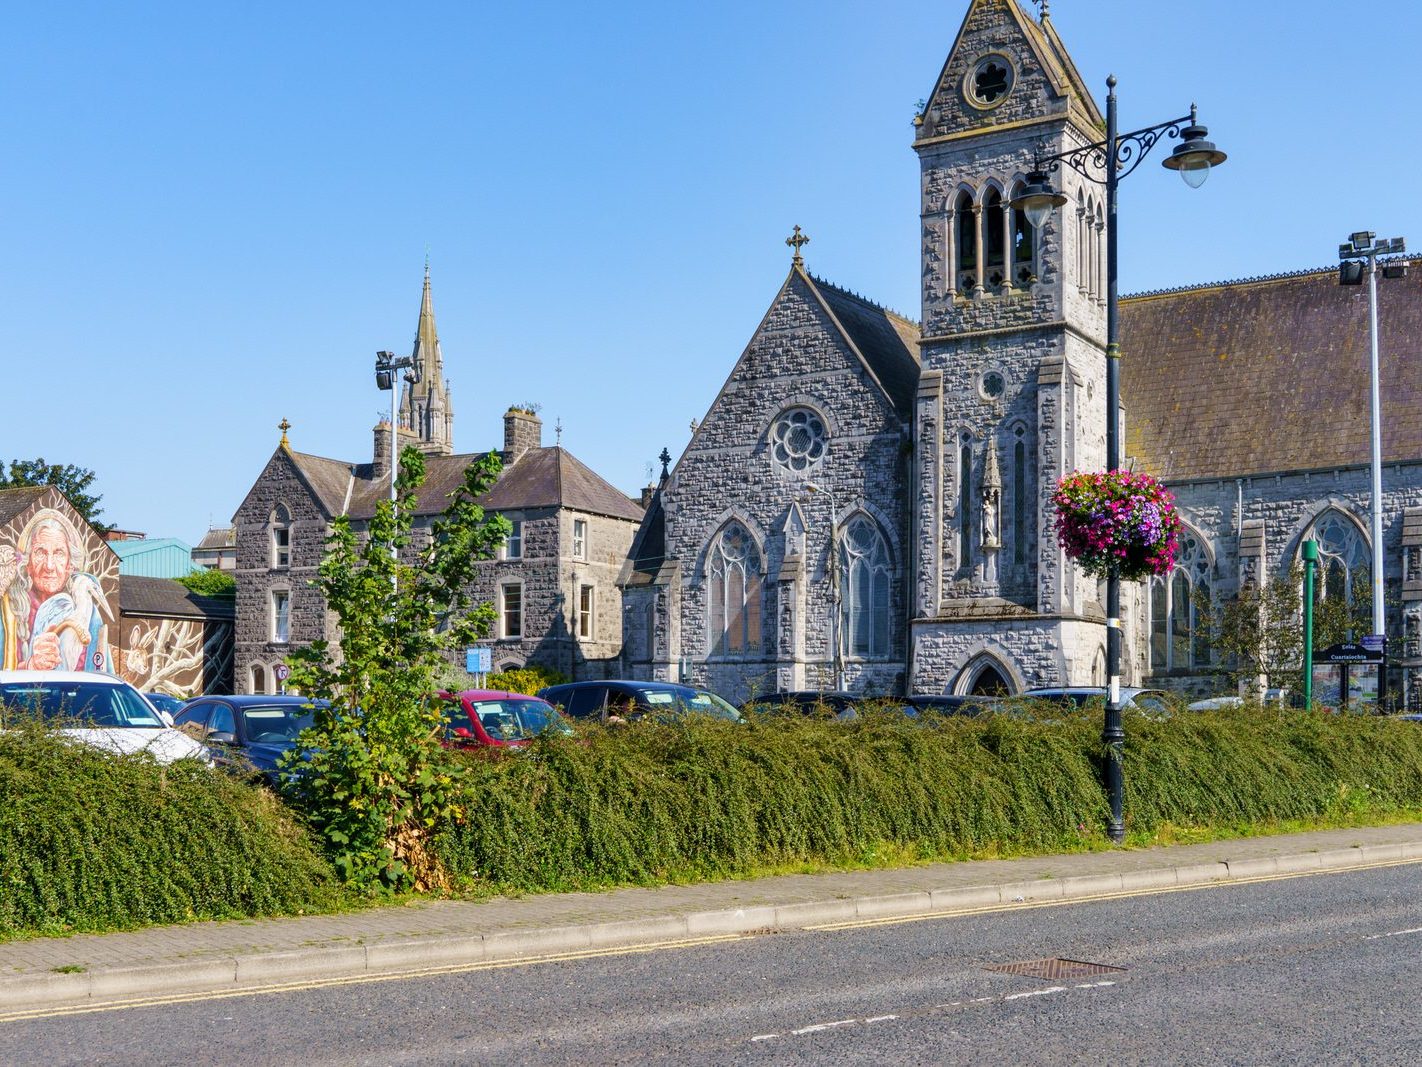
[(425, 409), (283, 426)]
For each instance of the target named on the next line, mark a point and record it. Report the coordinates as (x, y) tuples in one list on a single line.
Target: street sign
[(1375, 642), (478, 660), (1347, 653), (282, 672)]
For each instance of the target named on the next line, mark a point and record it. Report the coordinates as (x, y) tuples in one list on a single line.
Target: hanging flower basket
[(1117, 517)]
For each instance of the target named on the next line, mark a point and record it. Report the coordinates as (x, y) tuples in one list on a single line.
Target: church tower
[(426, 412), (1012, 390)]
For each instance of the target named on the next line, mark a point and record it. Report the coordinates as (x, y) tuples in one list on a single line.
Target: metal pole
[(1310, 558), (1378, 617), (1113, 736)]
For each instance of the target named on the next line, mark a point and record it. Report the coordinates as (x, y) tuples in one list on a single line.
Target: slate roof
[(887, 340), (541, 477), (649, 545), (165, 597), (14, 501), (219, 537), (1269, 375)]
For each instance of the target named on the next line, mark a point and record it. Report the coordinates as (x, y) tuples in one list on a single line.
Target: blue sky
[(214, 214)]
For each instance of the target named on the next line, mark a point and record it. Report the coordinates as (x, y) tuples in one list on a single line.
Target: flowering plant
[(1117, 517)]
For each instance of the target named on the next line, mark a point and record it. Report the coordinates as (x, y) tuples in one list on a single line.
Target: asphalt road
[(1316, 970)]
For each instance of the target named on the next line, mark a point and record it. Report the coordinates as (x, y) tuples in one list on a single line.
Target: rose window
[(798, 439)]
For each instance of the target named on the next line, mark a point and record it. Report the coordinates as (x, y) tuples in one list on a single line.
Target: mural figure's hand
[(44, 653)]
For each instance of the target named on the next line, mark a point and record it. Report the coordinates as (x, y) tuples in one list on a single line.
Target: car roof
[(245, 699), (495, 694), (59, 677)]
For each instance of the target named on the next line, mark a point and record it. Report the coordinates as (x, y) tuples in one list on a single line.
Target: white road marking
[(1394, 933), (1036, 993), (1003, 999)]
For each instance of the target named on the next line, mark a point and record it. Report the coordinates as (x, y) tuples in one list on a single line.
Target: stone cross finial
[(797, 241), (665, 457), (1046, 6), (558, 432), (283, 426)]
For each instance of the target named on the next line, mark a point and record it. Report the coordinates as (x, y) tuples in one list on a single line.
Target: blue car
[(246, 731)]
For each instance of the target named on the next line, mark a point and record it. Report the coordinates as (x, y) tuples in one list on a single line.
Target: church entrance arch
[(985, 675)]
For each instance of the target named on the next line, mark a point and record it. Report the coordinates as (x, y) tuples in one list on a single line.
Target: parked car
[(98, 710), (495, 719), (951, 703), (167, 705), (1148, 701), (250, 730), (836, 702), (609, 701)]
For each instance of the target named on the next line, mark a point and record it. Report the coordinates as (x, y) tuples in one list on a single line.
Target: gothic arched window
[(966, 243), (1024, 247), (734, 573), (1180, 609), (864, 596), (994, 240), (1344, 560), (1019, 497)]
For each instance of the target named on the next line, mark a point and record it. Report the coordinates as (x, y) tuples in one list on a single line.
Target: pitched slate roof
[(541, 477), (14, 501), (649, 545), (219, 537), (1269, 375), (887, 340), (550, 477), (163, 596)]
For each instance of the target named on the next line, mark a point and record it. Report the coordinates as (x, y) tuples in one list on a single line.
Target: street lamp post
[(1358, 257), (1106, 163), (386, 378), (836, 653)]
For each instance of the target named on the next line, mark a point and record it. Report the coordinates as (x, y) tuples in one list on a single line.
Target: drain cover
[(1056, 969)]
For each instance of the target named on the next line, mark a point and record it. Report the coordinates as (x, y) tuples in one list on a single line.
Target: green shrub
[(705, 799), (526, 680), (91, 841)]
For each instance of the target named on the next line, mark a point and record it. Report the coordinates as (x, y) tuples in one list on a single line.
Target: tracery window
[(994, 240), (1180, 610), (733, 571), (966, 234), (864, 598), (798, 439), (1344, 559)]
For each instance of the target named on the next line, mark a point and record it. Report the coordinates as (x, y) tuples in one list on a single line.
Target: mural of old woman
[(53, 612)]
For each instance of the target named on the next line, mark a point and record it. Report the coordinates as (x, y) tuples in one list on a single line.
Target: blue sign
[(478, 660)]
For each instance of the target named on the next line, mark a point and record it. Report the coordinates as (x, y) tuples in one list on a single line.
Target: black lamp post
[(1106, 163)]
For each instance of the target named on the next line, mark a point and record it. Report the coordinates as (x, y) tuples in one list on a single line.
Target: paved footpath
[(249, 955)]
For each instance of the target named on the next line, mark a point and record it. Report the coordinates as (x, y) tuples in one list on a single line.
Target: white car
[(98, 710)]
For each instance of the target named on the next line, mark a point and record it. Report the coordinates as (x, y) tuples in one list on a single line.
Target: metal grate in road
[(1056, 969)]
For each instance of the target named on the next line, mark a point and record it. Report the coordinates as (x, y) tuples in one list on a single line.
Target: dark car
[(951, 703), (167, 704), (1146, 701), (249, 731), (618, 700), (835, 702), (495, 719)]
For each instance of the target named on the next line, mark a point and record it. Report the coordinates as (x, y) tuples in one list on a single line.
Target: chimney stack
[(381, 467), (523, 430)]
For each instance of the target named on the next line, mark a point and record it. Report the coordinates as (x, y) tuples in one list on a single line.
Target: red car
[(494, 719)]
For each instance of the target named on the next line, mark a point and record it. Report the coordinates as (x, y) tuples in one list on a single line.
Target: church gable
[(802, 353), (1004, 69)]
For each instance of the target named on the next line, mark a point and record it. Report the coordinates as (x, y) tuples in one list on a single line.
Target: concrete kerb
[(252, 972)]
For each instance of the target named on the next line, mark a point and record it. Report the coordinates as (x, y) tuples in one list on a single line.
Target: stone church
[(867, 503)]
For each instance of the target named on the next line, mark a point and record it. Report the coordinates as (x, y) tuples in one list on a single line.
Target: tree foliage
[(371, 773), (70, 480), (213, 583), (1259, 631)]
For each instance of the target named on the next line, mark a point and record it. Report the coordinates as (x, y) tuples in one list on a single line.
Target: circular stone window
[(798, 439), (993, 385), (989, 81)]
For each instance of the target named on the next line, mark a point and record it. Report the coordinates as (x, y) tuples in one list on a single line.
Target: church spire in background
[(425, 409)]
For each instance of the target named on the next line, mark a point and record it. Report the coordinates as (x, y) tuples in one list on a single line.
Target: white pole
[(1377, 446)]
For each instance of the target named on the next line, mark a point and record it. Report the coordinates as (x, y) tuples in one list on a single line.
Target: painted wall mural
[(58, 592), (180, 657)]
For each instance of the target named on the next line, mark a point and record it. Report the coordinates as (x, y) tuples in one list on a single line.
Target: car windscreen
[(80, 704), (515, 720), (163, 702), (710, 704), (274, 724)]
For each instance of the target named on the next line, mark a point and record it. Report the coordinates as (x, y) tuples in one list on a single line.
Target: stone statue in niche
[(992, 504)]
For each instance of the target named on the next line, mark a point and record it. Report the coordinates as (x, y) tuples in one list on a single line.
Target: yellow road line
[(988, 909), (359, 979)]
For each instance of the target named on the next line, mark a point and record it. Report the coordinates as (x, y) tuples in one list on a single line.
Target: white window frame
[(513, 545), (280, 537), (587, 612), (580, 538), (504, 590), (281, 619)]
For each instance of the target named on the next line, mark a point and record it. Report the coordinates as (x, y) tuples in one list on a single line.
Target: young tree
[(70, 480), (371, 773)]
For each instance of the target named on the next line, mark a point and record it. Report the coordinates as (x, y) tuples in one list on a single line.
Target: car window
[(1150, 702), (81, 704), (710, 704), (517, 720), (194, 718), (222, 722), (586, 701), (273, 724)]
